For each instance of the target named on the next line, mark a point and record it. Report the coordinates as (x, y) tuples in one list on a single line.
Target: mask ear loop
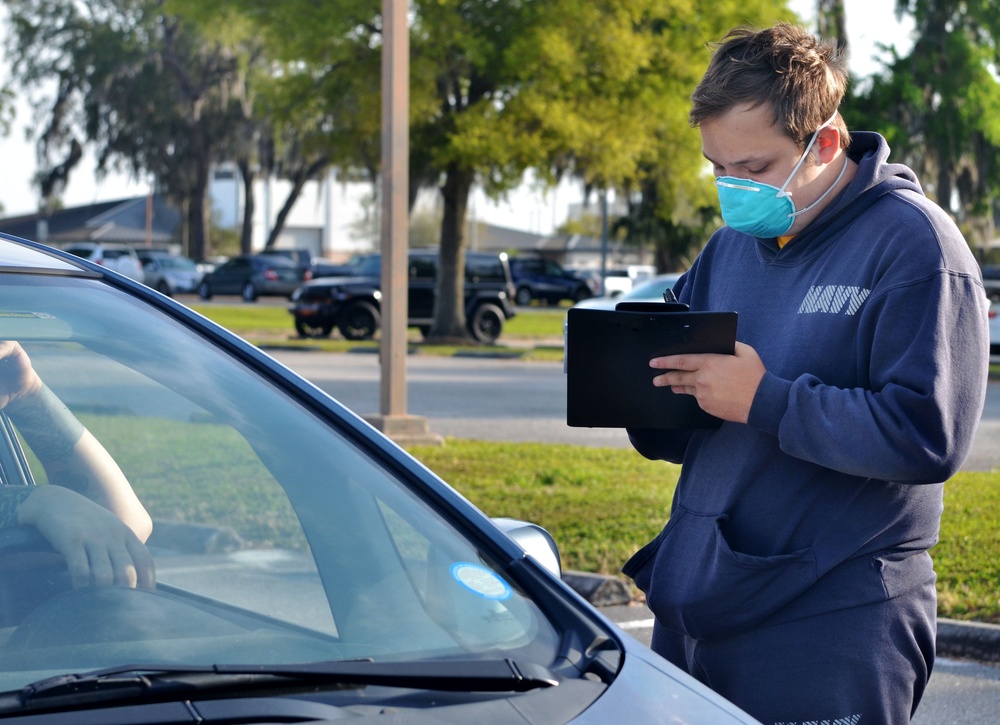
[(781, 192), (825, 193)]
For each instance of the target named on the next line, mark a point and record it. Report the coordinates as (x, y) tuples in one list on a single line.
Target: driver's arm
[(73, 458), (90, 513)]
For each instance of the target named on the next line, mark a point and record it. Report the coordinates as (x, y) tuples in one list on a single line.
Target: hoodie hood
[(870, 152)]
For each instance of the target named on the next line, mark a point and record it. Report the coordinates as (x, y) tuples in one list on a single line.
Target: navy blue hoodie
[(874, 334)]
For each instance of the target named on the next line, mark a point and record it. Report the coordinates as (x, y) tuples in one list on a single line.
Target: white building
[(333, 218)]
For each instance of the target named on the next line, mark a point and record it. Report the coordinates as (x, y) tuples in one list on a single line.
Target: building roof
[(123, 220)]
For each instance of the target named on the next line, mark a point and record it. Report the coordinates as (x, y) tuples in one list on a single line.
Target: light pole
[(393, 419)]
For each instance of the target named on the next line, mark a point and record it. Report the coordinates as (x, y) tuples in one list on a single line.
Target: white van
[(119, 257), (622, 279)]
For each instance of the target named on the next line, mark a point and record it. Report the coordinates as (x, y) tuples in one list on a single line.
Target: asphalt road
[(511, 400)]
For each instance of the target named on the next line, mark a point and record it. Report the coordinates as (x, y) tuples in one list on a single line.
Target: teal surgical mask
[(762, 210)]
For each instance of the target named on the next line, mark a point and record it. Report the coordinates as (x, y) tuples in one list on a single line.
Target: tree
[(831, 21), (141, 87), (603, 96), (594, 88), (939, 108)]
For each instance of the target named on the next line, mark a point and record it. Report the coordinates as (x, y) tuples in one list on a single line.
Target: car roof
[(21, 254), (650, 289), (94, 245)]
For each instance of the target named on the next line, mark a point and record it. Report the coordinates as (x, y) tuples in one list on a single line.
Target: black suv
[(537, 278), (353, 304)]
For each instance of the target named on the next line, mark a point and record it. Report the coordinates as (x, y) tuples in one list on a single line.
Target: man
[(793, 575)]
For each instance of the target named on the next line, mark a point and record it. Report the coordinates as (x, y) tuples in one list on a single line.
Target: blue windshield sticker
[(480, 580)]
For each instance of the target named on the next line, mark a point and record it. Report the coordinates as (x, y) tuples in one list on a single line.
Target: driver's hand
[(97, 546), (17, 377)]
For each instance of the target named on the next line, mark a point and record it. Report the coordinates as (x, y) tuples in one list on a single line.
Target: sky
[(527, 209)]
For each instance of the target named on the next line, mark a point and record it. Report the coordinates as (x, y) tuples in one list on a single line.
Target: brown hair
[(802, 79)]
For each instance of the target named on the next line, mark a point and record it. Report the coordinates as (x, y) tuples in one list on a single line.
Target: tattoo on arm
[(48, 426), (11, 498)]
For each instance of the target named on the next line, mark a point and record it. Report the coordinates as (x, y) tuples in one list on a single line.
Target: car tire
[(306, 329), (486, 323), (204, 291), (581, 294), (249, 293), (523, 296), (163, 288), (359, 321)]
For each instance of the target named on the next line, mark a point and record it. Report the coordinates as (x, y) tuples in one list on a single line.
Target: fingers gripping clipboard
[(608, 378)]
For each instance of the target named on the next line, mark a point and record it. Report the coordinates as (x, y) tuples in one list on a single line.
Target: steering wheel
[(31, 572)]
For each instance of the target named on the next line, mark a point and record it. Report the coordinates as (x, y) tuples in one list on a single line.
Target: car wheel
[(315, 330), (204, 291), (486, 323), (581, 294), (359, 321), (523, 296), (249, 292), (163, 288)]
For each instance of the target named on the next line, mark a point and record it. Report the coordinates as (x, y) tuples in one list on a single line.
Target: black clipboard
[(608, 378)]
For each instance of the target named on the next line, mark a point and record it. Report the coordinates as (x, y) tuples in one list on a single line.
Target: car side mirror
[(536, 542)]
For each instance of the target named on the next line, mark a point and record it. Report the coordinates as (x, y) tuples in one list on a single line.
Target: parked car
[(537, 278), (589, 275), (300, 256), (359, 265), (649, 290), (991, 280), (168, 273), (621, 279), (253, 276), (353, 304), (119, 257), (995, 328), (307, 569)]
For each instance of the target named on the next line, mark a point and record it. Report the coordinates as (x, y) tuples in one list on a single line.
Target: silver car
[(307, 569), (170, 274)]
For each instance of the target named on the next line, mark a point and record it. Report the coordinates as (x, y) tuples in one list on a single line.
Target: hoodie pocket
[(697, 584)]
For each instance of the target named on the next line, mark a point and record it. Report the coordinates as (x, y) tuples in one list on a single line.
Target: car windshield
[(178, 263), (650, 289), (365, 265), (278, 535)]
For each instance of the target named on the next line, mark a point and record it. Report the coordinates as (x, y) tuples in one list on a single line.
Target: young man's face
[(746, 144)]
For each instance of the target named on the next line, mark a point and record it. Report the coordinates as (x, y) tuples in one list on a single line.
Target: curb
[(968, 640), (599, 589)]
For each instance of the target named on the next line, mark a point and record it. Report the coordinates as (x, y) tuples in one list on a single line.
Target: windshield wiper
[(157, 682)]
